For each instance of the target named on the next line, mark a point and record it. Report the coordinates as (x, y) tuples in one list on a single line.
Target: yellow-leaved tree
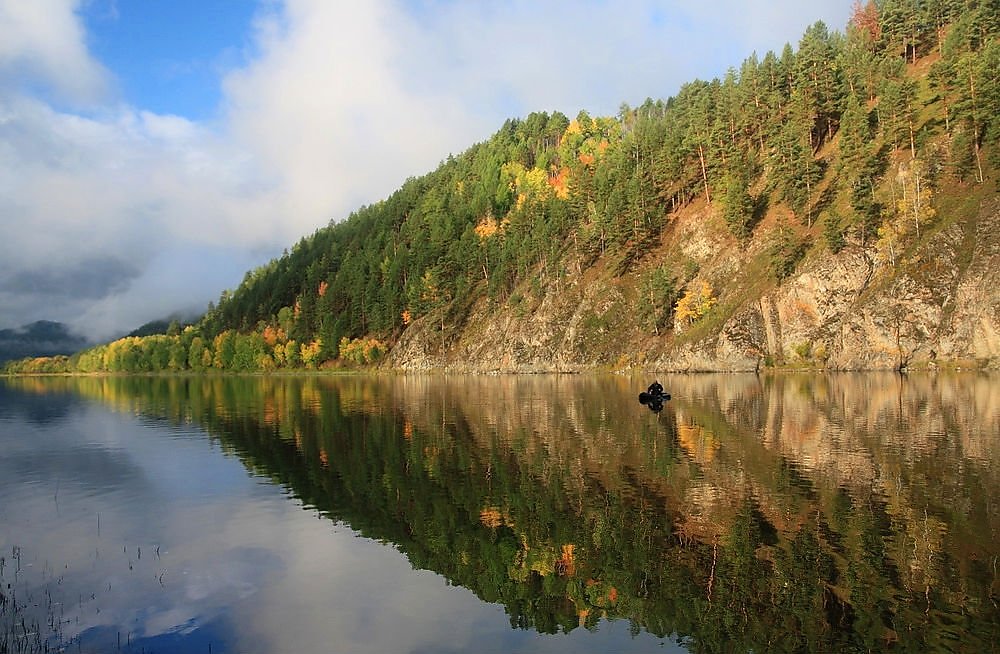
[(309, 352), (486, 228), (693, 305), (914, 209), (530, 186)]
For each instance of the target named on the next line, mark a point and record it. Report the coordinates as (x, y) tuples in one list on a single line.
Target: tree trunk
[(913, 146), (975, 125), (704, 173)]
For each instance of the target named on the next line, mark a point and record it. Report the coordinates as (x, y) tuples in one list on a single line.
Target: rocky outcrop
[(942, 304), (937, 304)]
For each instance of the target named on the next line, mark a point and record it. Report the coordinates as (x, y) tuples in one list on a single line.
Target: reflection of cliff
[(788, 512)]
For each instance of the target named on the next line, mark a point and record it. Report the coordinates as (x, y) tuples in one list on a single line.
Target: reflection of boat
[(654, 396)]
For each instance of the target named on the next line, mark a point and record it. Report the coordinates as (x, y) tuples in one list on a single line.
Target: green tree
[(195, 359), (178, 355), (867, 210), (818, 82), (897, 107), (657, 295), (833, 232), (856, 57), (796, 170), (785, 252), (738, 205), (698, 139), (855, 141)]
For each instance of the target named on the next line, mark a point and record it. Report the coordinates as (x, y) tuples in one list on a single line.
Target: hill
[(832, 205), (38, 339), (172, 324)]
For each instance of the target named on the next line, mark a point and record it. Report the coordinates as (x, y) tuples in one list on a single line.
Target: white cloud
[(42, 41), (91, 203), (325, 108), (337, 104)]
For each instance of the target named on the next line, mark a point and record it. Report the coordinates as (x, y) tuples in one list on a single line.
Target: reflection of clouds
[(228, 558), (339, 592), (93, 469), (193, 566), (365, 597), (31, 407), (96, 517), (171, 580)]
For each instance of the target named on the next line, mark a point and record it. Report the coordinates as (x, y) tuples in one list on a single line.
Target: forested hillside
[(848, 155)]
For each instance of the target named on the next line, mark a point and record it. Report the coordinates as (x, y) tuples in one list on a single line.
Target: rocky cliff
[(937, 303)]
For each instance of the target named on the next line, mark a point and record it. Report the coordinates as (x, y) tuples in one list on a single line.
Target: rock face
[(939, 304)]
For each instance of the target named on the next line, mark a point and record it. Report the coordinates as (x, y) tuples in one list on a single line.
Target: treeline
[(187, 350), (815, 129)]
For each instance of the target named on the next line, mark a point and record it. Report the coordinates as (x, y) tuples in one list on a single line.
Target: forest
[(853, 132)]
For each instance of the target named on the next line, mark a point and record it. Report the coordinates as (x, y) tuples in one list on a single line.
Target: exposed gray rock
[(939, 304)]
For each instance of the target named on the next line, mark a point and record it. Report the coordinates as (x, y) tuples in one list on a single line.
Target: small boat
[(654, 396)]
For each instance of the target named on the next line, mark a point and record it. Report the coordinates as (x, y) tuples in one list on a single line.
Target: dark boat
[(654, 396)]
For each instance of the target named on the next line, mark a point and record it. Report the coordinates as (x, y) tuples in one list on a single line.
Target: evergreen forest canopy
[(824, 130)]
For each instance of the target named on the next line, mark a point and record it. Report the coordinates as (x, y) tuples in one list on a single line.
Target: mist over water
[(517, 513)]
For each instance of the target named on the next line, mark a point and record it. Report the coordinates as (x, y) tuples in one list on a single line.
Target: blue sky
[(152, 151), (167, 56)]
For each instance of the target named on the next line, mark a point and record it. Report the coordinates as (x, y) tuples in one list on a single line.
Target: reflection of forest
[(776, 513)]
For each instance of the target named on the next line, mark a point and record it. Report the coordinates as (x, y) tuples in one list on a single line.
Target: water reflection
[(40, 408), (777, 513)]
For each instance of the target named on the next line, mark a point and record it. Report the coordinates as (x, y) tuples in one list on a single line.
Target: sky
[(154, 151)]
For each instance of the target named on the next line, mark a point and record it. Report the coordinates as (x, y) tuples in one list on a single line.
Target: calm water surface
[(500, 514)]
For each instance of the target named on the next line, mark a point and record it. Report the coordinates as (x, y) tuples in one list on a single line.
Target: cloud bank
[(114, 215)]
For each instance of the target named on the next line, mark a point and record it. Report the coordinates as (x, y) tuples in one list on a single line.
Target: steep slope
[(833, 205), (844, 311)]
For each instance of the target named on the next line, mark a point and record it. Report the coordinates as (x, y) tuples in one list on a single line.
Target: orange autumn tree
[(694, 304), (865, 18)]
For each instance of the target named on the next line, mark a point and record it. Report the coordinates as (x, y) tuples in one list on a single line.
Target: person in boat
[(654, 397)]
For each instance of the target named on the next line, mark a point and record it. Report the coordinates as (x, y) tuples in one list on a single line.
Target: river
[(500, 513)]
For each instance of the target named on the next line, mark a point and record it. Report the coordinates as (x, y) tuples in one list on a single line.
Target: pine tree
[(785, 252), (855, 141), (817, 81), (657, 294), (796, 171), (857, 60), (753, 102), (833, 232), (698, 138), (738, 205), (968, 106), (897, 106)]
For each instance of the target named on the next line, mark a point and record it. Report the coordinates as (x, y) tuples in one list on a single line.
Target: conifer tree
[(738, 205), (752, 116), (833, 232), (817, 81), (897, 106), (697, 113), (796, 170), (855, 141)]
